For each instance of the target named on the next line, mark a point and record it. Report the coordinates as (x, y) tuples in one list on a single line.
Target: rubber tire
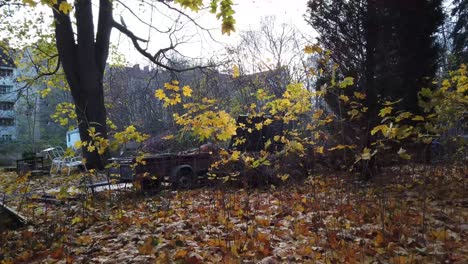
[(184, 179)]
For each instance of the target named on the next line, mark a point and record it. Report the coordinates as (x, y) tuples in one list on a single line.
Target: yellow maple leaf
[(168, 137), (235, 155), (378, 128), (160, 94), (91, 148), (319, 150), (344, 98), (317, 114), (187, 91), (235, 71), (65, 7), (366, 155), (30, 3), (359, 95), (402, 153), (386, 110), (308, 49)]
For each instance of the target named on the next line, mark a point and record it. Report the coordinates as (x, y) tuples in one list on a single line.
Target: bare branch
[(157, 56), (142, 21)]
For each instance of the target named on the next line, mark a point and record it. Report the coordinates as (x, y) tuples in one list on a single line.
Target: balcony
[(8, 97), (7, 113)]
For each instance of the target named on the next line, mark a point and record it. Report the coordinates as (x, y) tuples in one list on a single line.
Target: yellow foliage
[(418, 118), (359, 95), (110, 124), (340, 147), (402, 153), (319, 150), (235, 71), (65, 7), (29, 2), (353, 113), (344, 98), (45, 92), (402, 116), (206, 122), (187, 91), (296, 100), (235, 155), (366, 155), (64, 112), (128, 134), (348, 81), (160, 94), (174, 94), (317, 114), (386, 110), (309, 49)]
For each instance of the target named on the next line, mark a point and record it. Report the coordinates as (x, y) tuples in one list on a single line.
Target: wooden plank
[(19, 220)]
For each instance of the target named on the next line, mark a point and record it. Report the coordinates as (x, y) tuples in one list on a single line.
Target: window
[(5, 106), (6, 72), (5, 89), (7, 121), (6, 138)]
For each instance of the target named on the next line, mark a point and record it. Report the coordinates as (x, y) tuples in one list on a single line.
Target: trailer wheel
[(184, 179)]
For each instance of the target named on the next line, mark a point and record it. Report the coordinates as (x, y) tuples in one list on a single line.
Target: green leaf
[(366, 155), (348, 81), (382, 128), (386, 110), (30, 3), (425, 92), (402, 153)]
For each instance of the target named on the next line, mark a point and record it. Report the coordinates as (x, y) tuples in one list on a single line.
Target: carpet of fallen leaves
[(414, 214)]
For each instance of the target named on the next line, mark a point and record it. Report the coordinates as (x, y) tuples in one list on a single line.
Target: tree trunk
[(91, 112), (83, 61), (371, 32)]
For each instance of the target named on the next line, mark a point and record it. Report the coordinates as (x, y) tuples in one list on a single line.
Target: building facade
[(8, 96)]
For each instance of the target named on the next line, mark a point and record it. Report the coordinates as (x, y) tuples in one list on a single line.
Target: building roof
[(5, 59)]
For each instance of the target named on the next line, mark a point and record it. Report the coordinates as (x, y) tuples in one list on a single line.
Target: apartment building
[(8, 96)]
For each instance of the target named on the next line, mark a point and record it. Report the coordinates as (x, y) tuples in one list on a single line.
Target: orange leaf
[(25, 256), (57, 253), (379, 239), (180, 254), (217, 243), (305, 250), (263, 237), (84, 240), (147, 247), (262, 221)]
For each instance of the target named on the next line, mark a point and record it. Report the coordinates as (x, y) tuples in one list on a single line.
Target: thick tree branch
[(85, 33), (65, 42), (103, 33), (153, 58)]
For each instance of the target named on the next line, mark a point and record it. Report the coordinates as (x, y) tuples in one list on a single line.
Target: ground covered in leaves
[(413, 214)]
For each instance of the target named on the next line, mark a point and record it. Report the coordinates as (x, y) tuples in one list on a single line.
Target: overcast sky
[(198, 44), (248, 16)]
